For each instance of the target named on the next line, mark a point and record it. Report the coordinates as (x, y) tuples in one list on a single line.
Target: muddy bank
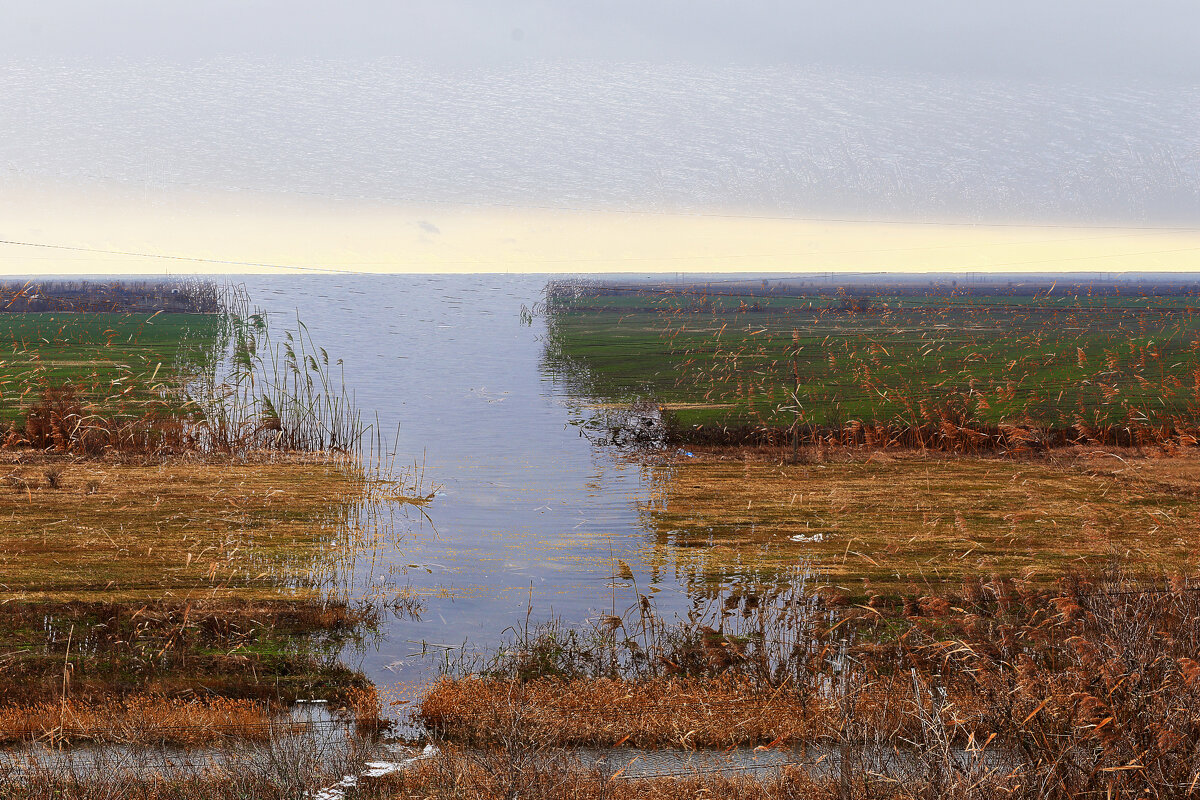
[(274, 651)]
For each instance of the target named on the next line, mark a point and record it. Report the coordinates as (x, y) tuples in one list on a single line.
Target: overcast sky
[(1092, 40), (1022, 111)]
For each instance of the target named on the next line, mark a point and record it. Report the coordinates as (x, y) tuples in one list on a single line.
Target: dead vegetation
[(201, 527), (141, 719), (505, 774), (184, 578), (62, 421), (890, 523), (1088, 689)]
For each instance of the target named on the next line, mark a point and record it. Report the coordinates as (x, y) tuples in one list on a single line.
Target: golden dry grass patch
[(660, 712), (140, 719), (119, 530), (880, 524)]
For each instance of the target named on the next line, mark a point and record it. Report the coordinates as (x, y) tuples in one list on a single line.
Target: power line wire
[(165, 257), (621, 259)]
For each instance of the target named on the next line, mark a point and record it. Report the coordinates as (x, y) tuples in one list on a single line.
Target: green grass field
[(100, 354), (904, 360)]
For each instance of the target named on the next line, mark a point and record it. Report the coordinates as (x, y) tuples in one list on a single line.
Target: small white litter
[(816, 537), (375, 769)]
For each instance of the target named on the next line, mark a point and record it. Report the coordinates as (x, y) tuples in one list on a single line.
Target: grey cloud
[(1083, 39)]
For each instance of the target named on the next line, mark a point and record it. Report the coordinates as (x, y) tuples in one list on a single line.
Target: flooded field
[(531, 567), (528, 514)]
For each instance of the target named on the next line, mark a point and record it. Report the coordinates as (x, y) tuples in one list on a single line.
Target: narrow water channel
[(529, 517)]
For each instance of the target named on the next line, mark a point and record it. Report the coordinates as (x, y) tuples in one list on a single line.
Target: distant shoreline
[(85, 296)]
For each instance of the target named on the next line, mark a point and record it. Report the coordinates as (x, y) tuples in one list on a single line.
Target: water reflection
[(529, 517)]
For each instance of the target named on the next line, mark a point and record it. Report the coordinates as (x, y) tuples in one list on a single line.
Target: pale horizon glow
[(272, 234), (626, 137)]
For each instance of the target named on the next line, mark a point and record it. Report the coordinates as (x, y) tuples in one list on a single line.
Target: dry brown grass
[(180, 575), (141, 719), (496, 776), (1091, 689), (481, 776), (886, 522), (682, 712), (178, 527)]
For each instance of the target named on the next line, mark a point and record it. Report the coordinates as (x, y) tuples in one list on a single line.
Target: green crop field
[(100, 354), (899, 360)]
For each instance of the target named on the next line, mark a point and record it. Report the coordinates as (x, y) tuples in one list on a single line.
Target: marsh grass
[(138, 720), (557, 776), (179, 554), (271, 525), (92, 383), (229, 576), (1002, 371), (109, 366), (283, 394), (268, 651), (887, 524), (1007, 689)]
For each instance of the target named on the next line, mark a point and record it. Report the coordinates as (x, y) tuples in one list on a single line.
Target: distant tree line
[(184, 296)]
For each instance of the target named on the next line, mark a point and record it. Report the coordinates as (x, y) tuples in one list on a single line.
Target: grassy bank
[(179, 577), (916, 366), (182, 506), (101, 355)]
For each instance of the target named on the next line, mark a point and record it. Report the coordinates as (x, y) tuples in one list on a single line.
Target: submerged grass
[(266, 526), (93, 653), (889, 524)]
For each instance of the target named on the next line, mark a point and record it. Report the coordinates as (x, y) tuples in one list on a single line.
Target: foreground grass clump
[(1088, 688), (878, 523), (542, 775)]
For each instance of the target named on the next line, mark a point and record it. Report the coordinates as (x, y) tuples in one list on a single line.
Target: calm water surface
[(528, 513)]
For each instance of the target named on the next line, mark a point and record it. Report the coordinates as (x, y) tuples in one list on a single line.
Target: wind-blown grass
[(276, 394)]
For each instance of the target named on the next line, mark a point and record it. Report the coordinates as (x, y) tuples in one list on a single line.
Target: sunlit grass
[(884, 523), (209, 526), (99, 354)]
